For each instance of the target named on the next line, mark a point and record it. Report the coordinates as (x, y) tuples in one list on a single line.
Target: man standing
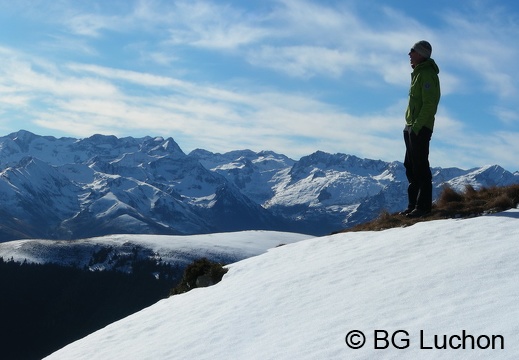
[(424, 96)]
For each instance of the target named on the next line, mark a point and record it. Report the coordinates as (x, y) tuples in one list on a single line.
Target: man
[(424, 96)]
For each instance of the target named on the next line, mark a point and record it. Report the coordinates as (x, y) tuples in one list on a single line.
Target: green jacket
[(424, 96)]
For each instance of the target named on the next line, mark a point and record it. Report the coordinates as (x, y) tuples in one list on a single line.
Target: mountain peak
[(109, 184), (23, 135)]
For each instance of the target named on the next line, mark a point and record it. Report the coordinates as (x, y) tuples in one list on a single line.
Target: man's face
[(415, 58)]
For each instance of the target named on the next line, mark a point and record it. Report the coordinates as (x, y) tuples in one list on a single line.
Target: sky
[(299, 301), (290, 76)]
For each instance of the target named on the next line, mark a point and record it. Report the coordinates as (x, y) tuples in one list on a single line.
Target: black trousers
[(417, 168)]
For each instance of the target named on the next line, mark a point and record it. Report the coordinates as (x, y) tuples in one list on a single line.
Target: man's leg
[(421, 168), (412, 188)]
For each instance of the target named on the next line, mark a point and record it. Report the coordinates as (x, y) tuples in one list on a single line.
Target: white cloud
[(303, 61), (88, 25), (478, 43), (507, 115), (90, 99), (197, 96), (208, 25)]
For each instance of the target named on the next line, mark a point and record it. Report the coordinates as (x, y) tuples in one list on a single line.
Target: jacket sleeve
[(430, 94)]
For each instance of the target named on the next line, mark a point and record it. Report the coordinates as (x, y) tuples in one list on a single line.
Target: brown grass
[(451, 204)]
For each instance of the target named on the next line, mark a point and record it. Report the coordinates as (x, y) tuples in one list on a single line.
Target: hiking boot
[(418, 213), (405, 212)]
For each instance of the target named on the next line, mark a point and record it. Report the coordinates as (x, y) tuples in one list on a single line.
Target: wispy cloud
[(172, 74), (208, 25), (89, 99), (303, 61), (480, 42), (507, 115)]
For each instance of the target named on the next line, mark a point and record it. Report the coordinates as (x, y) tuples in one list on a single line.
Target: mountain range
[(68, 188)]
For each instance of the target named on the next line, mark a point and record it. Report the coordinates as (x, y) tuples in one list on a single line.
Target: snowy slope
[(177, 250), (300, 300)]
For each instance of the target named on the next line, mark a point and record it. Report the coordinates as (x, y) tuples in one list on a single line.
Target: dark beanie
[(423, 48)]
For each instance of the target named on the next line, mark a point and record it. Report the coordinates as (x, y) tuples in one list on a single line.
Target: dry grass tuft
[(451, 204)]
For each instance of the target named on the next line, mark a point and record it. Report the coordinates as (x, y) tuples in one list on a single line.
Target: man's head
[(420, 52)]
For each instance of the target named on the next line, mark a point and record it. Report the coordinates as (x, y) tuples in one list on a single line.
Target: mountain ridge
[(67, 188)]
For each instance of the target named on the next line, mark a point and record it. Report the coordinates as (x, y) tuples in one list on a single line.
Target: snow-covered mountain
[(445, 289), (119, 252), (325, 192), (70, 188)]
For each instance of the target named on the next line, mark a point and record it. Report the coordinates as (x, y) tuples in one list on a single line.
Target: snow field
[(300, 300)]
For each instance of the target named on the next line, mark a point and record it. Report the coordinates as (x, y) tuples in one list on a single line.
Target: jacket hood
[(428, 63)]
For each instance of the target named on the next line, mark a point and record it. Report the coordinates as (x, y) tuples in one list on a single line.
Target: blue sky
[(291, 76)]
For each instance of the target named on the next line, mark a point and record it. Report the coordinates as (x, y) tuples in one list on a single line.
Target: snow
[(151, 178), (173, 249), (298, 301)]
